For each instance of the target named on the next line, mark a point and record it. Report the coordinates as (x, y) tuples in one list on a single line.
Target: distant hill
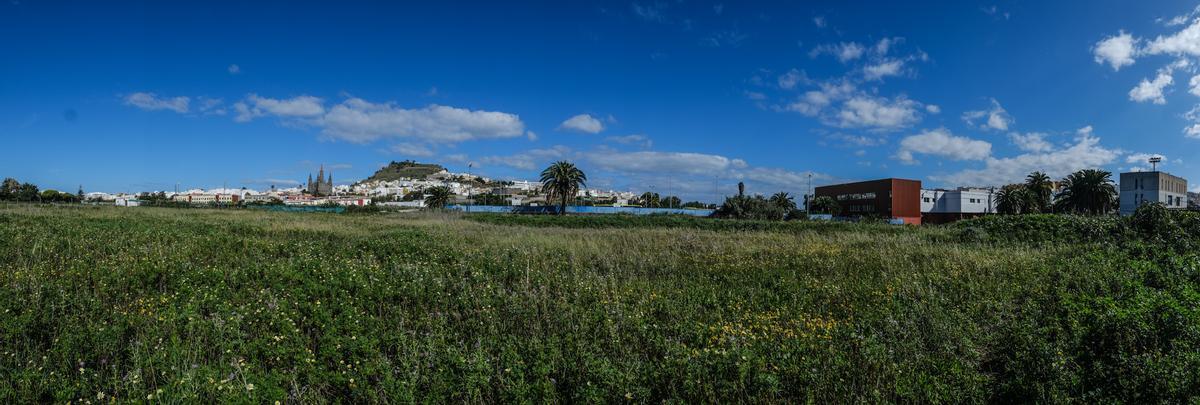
[(406, 169)]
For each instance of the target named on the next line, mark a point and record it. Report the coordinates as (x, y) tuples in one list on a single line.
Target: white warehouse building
[(1138, 188), (940, 206)]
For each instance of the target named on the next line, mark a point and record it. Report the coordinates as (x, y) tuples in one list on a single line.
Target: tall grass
[(103, 304)]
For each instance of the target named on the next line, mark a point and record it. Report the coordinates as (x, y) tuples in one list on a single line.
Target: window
[(927, 199)]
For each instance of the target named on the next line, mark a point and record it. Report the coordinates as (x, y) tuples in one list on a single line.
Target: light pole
[(469, 201), (808, 198)]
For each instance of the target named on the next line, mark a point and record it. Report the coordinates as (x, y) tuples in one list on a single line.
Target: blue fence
[(581, 210)]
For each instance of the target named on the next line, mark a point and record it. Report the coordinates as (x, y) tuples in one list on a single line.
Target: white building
[(942, 206), (1138, 188)]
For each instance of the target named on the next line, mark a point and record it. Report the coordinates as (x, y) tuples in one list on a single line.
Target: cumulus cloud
[(933, 109), (844, 52), (1185, 42), (883, 69), (641, 141), (583, 123), (297, 107), (1152, 90), (1142, 157), (662, 162), (1031, 142), (1117, 51), (357, 120), (529, 160), (412, 149), (878, 112), (1085, 153), (940, 142), (790, 79), (152, 102), (994, 118)]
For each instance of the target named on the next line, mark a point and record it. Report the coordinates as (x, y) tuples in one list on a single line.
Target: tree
[(743, 207), (28, 192), (825, 205), (80, 195), (1015, 199), (670, 202), (437, 197), (649, 200), (784, 201), (561, 181), (413, 196), (1040, 187), (1088, 191), (9, 189)]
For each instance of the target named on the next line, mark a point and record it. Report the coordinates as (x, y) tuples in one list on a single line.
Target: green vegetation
[(438, 197), (405, 169), (158, 305), (560, 182)]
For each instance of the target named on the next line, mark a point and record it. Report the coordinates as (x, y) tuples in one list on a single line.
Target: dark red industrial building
[(886, 198)]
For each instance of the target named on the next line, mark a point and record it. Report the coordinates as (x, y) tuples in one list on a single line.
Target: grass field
[(161, 305)]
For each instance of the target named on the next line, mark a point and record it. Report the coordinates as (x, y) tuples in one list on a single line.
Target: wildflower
[(249, 387)]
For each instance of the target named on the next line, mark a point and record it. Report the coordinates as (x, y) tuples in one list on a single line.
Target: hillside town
[(400, 184)]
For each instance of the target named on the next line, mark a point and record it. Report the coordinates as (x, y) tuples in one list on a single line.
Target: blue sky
[(683, 97)]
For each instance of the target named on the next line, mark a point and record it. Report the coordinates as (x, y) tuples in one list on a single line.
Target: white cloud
[(1152, 90), (864, 111), (662, 162), (151, 102), (819, 21), (1085, 153), (641, 141), (933, 109), (529, 160), (1185, 42), (789, 80), (1142, 157), (884, 45), (814, 101), (845, 51), (533, 136), (357, 120), (297, 107), (1192, 131), (1031, 142), (940, 142), (1194, 85), (412, 149), (1118, 50), (583, 123), (997, 117), (883, 69), (234, 69)]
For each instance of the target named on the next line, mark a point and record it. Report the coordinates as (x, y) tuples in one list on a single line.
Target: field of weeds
[(159, 305)]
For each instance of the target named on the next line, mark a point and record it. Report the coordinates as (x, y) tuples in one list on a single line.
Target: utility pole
[(469, 201), (808, 198)]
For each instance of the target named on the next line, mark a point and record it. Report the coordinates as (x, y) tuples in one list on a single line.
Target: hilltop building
[(322, 186), (894, 199), (1138, 188), (940, 206)]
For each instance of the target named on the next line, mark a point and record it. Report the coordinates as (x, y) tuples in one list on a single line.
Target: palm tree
[(1014, 199), (784, 201), (825, 205), (1088, 191), (437, 197), (561, 181), (650, 200), (1039, 186)]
